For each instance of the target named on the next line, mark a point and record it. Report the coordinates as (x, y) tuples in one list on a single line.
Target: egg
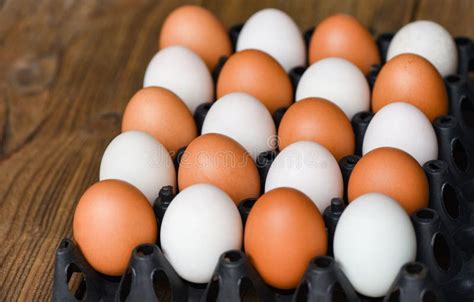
[(429, 40), (180, 70), (412, 79), (199, 30), (244, 118), (374, 238), (392, 172), (284, 230), (161, 113), (405, 127), (345, 37), (200, 224), (319, 120), (309, 167), (338, 81), (139, 159), (274, 32), (258, 74), (219, 160), (110, 220)]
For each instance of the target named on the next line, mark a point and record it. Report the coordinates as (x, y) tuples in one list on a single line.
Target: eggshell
[(412, 79), (374, 238), (394, 173), (139, 159), (429, 40), (111, 219), (284, 230), (309, 167), (274, 32), (219, 160), (180, 70), (199, 30), (199, 225), (319, 120), (402, 126), (336, 80), (345, 37), (244, 118), (256, 73), (161, 113)]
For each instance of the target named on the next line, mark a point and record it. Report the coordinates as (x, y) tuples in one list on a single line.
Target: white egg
[(374, 238), (180, 70), (429, 40), (139, 159), (309, 167), (243, 118), (403, 126), (274, 32), (338, 81), (200, 224)]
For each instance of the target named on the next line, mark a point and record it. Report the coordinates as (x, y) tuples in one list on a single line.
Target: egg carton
[(444, 270)]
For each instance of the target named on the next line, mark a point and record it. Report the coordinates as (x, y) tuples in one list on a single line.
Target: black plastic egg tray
[(444, 270)]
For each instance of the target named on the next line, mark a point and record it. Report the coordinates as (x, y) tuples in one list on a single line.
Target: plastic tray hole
[(125, 285), (161, 285), (365, 117), (338, 293), (213, 290), (302, 292), (395, 296), (414, 268), (322, 262), (441, 252), (76, 282), (452, 79), (232, 256), (458, 153), (247, 290), (425, 214), (462, 41), (64, 244), (144, 250), (434, 166), (467, 111), (450, 201), (445, 120), (429, 296)]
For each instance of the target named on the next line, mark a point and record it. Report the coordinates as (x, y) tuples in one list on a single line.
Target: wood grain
[(67, 69)]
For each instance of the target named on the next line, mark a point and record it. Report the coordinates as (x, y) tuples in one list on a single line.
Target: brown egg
[(319, 120), (344, 36), (284, 230), (219, 160), (392, 172), (258, 74), (199, 30), (161, 113), (412, 79), (111, 219)]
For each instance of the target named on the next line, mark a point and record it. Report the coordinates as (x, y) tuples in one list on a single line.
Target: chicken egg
[(139, 159), (200, 224), (318, 120), (309, 167), (180, 70), (374, 238), (429, 40), (161, 113), (392, 172), (284, 230), (111, 219), (274, 32), (258, 74), (345, 37), (219, 160), (402, 126), (199, 30), (338, 81), (244, 118), (412, 79)]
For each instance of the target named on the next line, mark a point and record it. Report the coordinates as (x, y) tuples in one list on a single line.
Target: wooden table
[(67, 69)]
